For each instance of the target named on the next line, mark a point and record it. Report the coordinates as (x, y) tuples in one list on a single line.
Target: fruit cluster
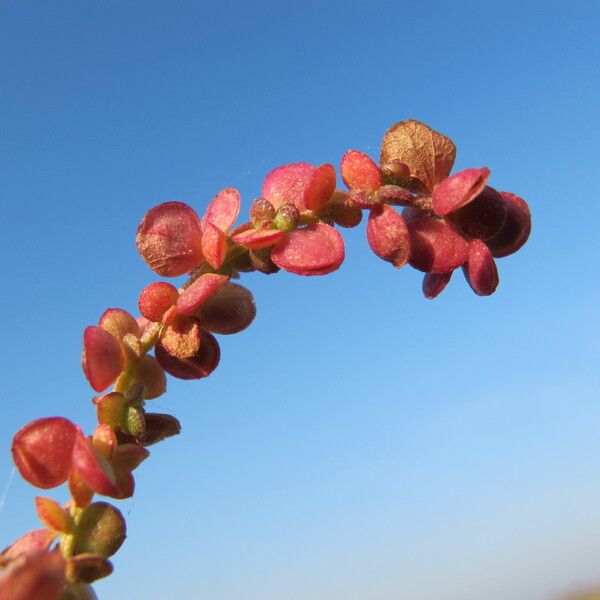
[(447, 221)]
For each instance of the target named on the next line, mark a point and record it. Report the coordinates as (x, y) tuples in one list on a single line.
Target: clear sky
[(357, 442)]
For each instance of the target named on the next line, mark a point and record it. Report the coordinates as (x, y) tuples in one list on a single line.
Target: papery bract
[(33, 541), (119, 322), (169, 239), (87, 567), (94, 468), (149, 373), (159, 427), (429, 155), (100, 530), (103, 358), (317, 249), (320, 188), (435, 283), (42, 451), (343, 210), (255, 239), (288, 184), (33, 576), (214, 245), (223, 210), (483, 217), (52, 514), (183, 338), (388, 235)]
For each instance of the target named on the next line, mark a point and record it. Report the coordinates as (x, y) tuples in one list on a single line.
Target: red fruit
[(320, 187), (199, 292), (458, 190), (196, 367), (388, 235), (516, 228), (255, 239), (43, 449), (483, 217), (119, 322), (287, 184), (169, 239), (155, 299), (103, 358), (314, 250), (359, 172), (223, 210), (435, 283), (480, 269), (214, 245), (435, 246), (94, 468), (38, 575), (229, 311)]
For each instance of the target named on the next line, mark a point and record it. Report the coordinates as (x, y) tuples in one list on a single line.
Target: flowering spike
[(200, 291), (429, 155), (202, 364), (516, 228), (223, 210), (103, 358), (314, 250), (359, 172), (229, 311), (214, 245), (42, 451), (169, 239), (435, 283), (458, 190), (388, 235), (155, 299), (287, 184), (320, 187), (480, 269), (52, 514)]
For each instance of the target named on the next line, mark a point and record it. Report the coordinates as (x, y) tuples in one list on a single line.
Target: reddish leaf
[(314, 250), (287, 184), (223, 210), (155, 299), (149, 373), (38, 575), (33, 541), (214, 245), (435, 246), (435, 283), (94, 469), (200, 291), (483, 217), (458, 190), (169, 239), (388, 235), (42, 451), (516, 229), (359, 172), (229, 311), (429, 155), (480, 269), (320, 187), (52, 514), (119, 322), (196, 367), (103, 358)]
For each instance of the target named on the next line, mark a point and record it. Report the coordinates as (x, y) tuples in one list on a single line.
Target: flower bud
[(287, 217)]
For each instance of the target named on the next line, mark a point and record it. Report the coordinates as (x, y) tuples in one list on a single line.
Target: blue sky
[(357, 442)]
